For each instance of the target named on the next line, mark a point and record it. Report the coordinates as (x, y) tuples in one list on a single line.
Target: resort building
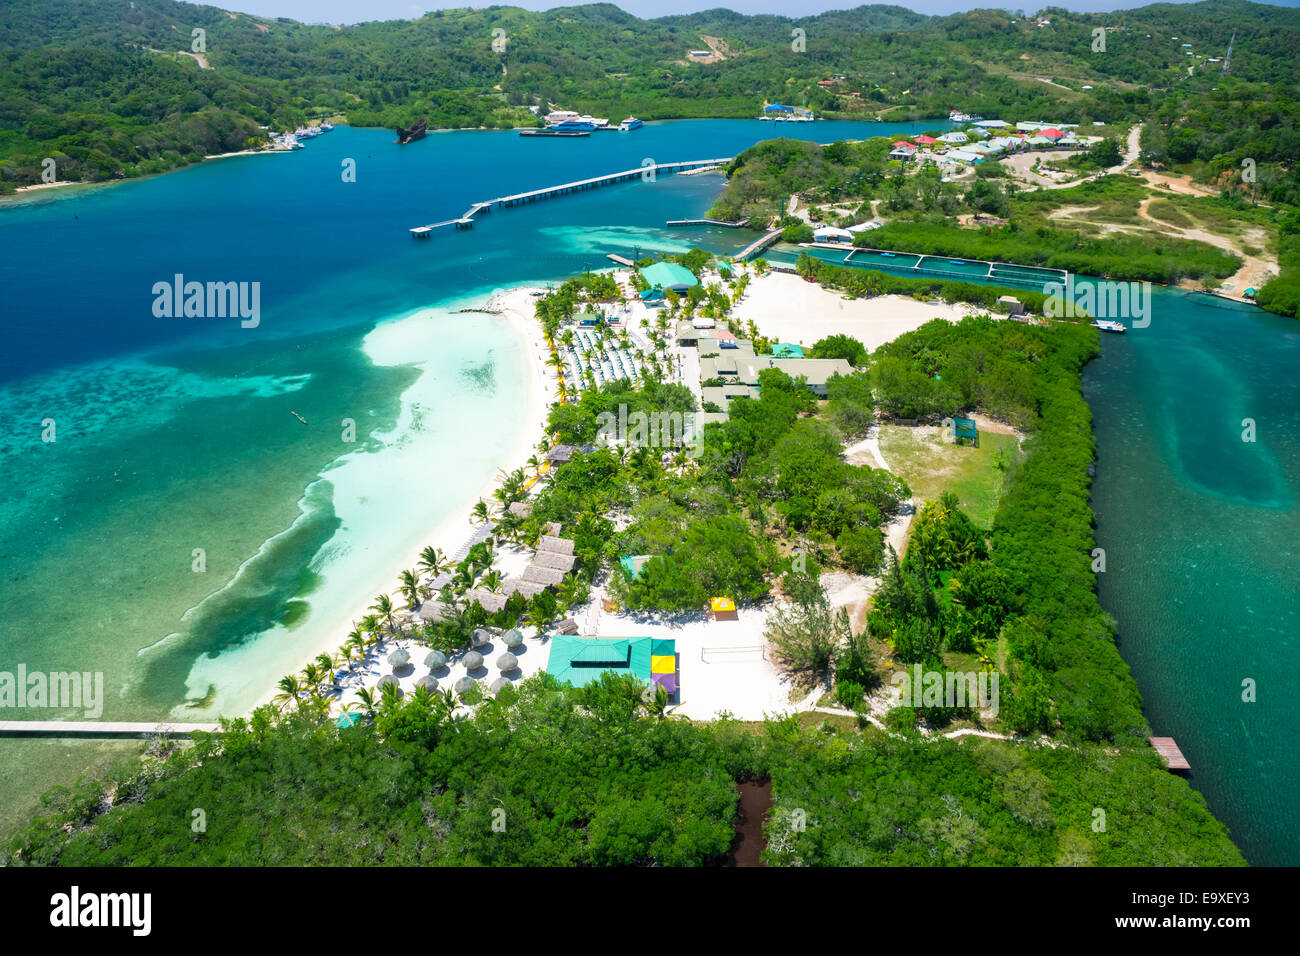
[(832, 234), (669, 275), (581, 660)]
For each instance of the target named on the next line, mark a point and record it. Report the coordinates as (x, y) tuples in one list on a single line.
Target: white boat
[(630, 123), (1106, 325)]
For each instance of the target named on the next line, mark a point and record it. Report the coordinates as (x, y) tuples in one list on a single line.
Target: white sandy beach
[(785, 308), (724, 665), (250, 672)]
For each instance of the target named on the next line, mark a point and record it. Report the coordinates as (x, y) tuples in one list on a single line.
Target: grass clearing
[(931, 466)]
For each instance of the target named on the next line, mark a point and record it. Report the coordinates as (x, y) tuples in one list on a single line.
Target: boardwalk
[(759, 244), (98, 728), (549, 192)]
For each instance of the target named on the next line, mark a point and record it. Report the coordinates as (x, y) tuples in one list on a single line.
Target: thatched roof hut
[(432, 611), (567, 626), (529, 589), (486, 599), (399, 658), (550, 542), (435, 659), (464, 686), (540, 575), (473, 661), (521, 508), (555, 560), (507, 662)]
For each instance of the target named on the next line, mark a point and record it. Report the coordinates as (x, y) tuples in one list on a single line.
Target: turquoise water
[(175, 434), (1201, 532)]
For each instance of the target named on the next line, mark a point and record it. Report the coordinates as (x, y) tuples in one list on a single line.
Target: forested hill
[(109, 86)]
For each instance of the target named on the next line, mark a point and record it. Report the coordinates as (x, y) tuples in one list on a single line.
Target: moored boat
[(1106, 325), (630, 123)]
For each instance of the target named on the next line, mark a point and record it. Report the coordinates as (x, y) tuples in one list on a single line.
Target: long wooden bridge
[(99, 728), (549, 192), (762, 242)]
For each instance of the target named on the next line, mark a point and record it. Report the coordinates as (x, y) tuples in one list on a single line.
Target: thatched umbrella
[(385, 681), (464, 686), (514, 637), (480, 637), (497, 685), (428, 682), (399, 658), (473, 661), (435, 659), (507, 662)]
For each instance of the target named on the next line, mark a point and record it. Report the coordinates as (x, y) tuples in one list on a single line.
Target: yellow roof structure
[(722, 604)]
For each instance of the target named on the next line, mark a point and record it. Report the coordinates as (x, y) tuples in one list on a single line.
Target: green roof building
[(581, 660), (669, 275)]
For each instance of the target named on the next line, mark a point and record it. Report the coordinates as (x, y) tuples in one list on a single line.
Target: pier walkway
[(98, 728), (759, 244), (729, 224), (549, 192)]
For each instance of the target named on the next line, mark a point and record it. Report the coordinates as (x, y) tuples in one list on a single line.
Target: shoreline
[(514, 307)]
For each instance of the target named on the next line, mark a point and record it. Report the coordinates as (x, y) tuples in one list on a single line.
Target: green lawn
[(930, 466)]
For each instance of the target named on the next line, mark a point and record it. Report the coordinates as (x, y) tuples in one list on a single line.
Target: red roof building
[(1051, 133), (903, 144), (925, 140)]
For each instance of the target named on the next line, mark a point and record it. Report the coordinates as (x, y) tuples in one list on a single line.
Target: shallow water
[(175, 447)]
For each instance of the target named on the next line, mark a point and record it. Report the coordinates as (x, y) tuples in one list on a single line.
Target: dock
[(466, 221), (621, 260), (1167, 749), (759, 244), (99, 728), (732, 224)]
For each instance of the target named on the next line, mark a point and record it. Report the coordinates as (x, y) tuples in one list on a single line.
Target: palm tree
[(366, 697), (327, 665), (356, 644), (410, 588), (312, 675), (290, 691), (481, 513), (390, 698), (533, 462), (383, 607), (370, 626), (536, 618), (491, 582), (433, 562)]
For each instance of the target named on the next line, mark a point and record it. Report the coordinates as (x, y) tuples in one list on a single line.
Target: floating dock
[(641, 172), (1167, 749), (98, 728)]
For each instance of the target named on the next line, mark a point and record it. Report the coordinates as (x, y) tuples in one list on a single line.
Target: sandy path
[(1254, 272)]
